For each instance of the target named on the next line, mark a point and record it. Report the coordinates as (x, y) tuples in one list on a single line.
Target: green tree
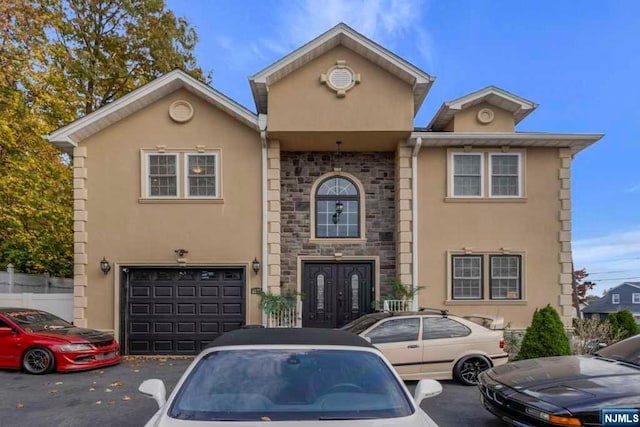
[(545, 337), (60, 60), (624, 323)]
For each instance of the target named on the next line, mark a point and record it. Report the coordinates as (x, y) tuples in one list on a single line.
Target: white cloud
[(385, 21), (610, 259), (632, 189)]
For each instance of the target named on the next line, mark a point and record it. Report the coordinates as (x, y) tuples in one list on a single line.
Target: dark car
[(566, 390), (40, 342)]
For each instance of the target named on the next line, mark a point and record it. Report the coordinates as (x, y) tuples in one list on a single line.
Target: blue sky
[(580, 61)]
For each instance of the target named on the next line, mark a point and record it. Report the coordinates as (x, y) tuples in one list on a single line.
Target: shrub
[(588, 334), (545, 337), (624, 323)]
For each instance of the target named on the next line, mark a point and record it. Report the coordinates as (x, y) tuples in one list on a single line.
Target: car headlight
[(564, 421), (74, 347)]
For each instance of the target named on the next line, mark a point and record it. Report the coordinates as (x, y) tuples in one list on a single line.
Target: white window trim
[(636, 298), (186, 175), (452, 175), (615, 298), (482, 276), (490, 175), (147, 185), (518, 276)]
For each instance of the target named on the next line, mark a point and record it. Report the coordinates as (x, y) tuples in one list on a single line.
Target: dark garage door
[(179, 311)]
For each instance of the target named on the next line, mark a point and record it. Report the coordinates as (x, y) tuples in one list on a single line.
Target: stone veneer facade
[(299, 171)]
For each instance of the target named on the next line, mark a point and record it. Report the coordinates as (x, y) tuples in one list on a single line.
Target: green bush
[(624, 323), (545, 337)]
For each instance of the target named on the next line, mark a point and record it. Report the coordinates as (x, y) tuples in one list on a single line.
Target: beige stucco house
[(329, 187)]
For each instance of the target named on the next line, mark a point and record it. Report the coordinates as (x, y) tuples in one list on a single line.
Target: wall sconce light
[(255, 265), (181, 252), (105, 266)]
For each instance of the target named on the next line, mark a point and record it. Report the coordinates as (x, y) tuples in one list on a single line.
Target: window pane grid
[(467, 277), (163, 175), (330, 224), (202, 175), (505, 277), (504, 175), (467, 175)]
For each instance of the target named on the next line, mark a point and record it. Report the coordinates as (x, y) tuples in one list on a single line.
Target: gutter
[(414, 219), (262, 123)]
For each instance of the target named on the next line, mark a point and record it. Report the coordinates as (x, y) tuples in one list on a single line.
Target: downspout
[(414, 218), (262, 123)]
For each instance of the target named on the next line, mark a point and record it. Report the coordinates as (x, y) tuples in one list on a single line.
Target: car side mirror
[(426, 389), (154, 389), (6, 331)]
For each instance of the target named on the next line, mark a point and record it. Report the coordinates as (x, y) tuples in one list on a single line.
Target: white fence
[(59, 304), (290, 318), (397, 305)]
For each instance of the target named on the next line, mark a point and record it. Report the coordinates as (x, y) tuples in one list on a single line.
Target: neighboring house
[(180, 189), (623, 297)]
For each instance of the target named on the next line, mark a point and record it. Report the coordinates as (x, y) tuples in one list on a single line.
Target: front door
[(336, 293)]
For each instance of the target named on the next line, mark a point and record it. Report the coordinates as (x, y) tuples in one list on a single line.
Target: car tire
[(38, 360), (468, 368)]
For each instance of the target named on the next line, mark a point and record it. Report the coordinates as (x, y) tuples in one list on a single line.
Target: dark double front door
[(336, 293)]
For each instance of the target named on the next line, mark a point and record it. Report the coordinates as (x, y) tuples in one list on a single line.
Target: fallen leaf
[(112, 402), (19, 405), (99, 402), (108, 390), (126, 398), (53, 391), (115, 384), (95, 382), (136, 370), (59, 383), (101, 372), (92, 389)]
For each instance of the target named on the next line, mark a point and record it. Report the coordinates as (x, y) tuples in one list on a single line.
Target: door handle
[(413, 346)]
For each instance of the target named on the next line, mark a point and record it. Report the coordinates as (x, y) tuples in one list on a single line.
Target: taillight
[(501, 343)]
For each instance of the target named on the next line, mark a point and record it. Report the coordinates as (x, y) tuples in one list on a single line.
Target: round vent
[(181, 111), (485, 115), (341, 78)]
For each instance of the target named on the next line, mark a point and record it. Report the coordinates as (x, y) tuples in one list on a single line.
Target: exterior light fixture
[(339, 207), (181, 252), (255, 265), (105, 266)]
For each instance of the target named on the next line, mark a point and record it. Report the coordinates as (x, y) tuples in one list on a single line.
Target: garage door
[(179, 311)]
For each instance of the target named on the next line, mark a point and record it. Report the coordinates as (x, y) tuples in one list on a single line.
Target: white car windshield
[(273, 385)]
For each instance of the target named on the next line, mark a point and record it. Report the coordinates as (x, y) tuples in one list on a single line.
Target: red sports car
[(40, 342)]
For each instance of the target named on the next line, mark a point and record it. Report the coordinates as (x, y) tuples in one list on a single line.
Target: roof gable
[(604, 304), (343, 35), (68, 137), (519, 107)]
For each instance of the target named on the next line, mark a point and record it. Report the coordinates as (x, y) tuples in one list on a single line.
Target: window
[(636, 298), (505, 175), (504, 282), (162, 175), (201, 175), (486, 173), (615, 298), (467, 175), (320, 292), (442, 327), (467, 277), (337, 207), (164, 180), (396, 330), (355, 287)]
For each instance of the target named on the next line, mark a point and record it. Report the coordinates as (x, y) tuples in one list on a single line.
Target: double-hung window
[(505, 175), (504, 280), (162, 175), (467, 277), (181, 175), (636, 298), (615, 298), (467, 175)]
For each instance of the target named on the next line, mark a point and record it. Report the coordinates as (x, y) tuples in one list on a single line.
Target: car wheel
[(467, 370), (38, 360)]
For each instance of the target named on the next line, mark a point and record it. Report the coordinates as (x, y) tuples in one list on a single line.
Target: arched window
[(337, 208)]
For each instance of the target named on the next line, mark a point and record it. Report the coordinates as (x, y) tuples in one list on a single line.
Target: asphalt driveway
[(110, 396)]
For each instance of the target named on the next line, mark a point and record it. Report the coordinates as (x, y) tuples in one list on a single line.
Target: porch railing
[(288, 318), (397, 305)]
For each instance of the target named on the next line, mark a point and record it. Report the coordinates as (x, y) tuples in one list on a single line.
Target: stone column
[(404, 212), (80, 236), (567, 310), (273, 216)]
